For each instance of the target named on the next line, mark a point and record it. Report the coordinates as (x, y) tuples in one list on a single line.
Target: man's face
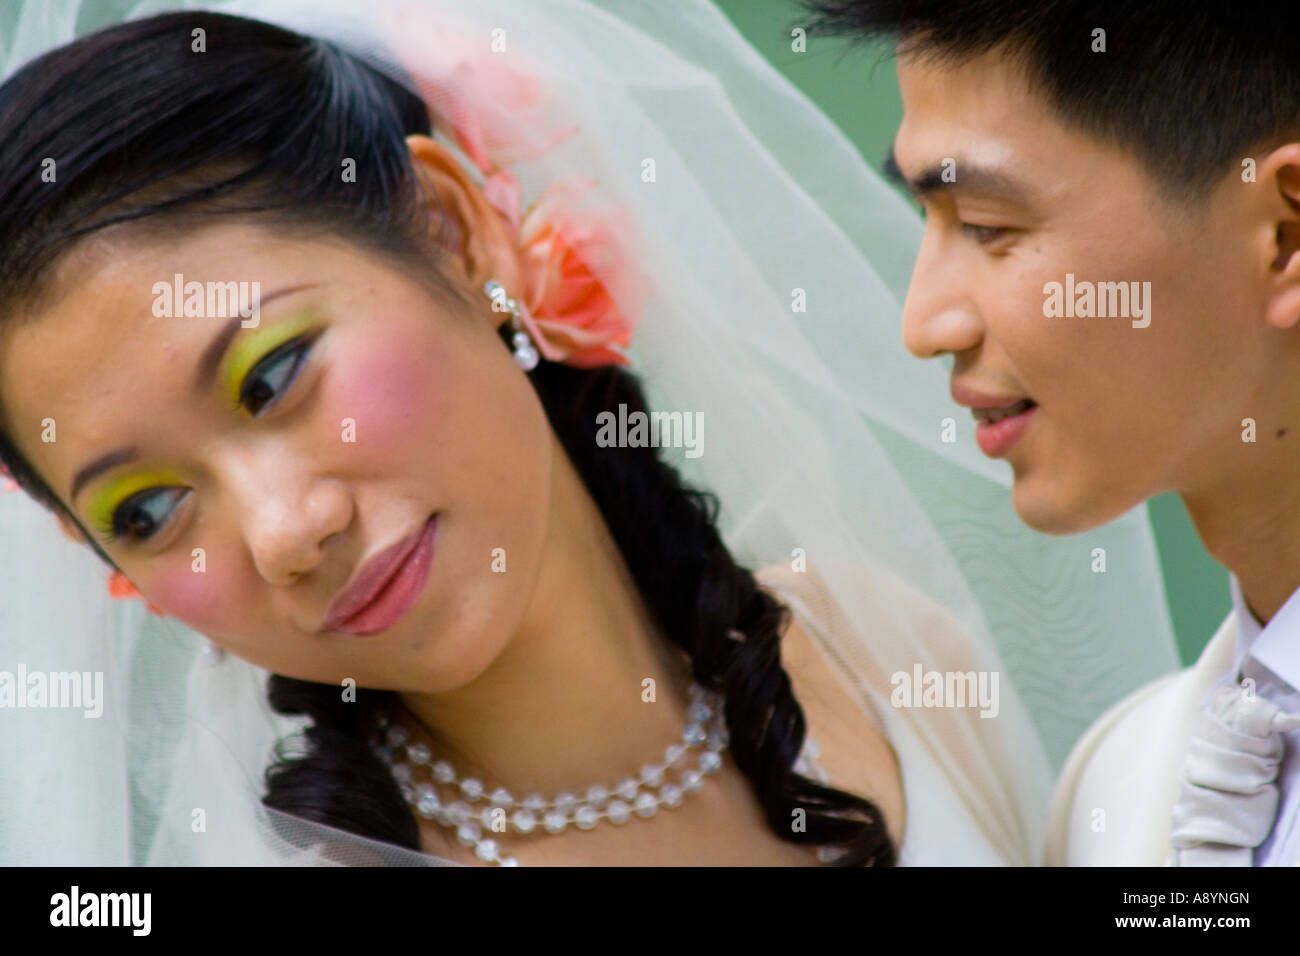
[(1121, 410)]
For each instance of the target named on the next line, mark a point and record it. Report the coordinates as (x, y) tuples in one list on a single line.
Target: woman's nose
[(286, 515)]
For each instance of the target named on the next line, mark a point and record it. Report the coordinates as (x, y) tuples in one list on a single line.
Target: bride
[(445, 621)]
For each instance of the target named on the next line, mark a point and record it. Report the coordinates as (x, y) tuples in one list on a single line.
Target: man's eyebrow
[(969, 177), (207, 368), (893, 173)]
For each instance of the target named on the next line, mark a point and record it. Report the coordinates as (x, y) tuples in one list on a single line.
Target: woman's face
[(261, 476)]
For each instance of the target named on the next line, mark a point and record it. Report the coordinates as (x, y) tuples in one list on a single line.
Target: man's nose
[(938, 315)]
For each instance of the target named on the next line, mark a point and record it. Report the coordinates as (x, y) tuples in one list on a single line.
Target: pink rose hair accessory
[(582, 293), (578, 277)]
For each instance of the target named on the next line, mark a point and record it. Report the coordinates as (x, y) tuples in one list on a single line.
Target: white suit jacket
[(1114, 799)]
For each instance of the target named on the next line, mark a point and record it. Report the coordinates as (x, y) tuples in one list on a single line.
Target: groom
[(1112, 259)]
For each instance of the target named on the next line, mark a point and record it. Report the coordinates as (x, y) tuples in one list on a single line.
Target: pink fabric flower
[(120, 586), (582, 291), (577, 271)]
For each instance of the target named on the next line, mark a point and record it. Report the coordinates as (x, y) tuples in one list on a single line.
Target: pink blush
[(387, 392), (200, 600)]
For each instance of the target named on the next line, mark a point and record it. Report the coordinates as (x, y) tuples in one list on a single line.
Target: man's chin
[(1050, 511)]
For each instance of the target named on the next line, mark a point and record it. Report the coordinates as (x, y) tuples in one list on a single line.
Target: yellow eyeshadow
[(248, 350), (106, 500)]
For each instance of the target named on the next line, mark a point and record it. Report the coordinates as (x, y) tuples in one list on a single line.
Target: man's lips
[(971, 398), (1001, 420), (371, 579)]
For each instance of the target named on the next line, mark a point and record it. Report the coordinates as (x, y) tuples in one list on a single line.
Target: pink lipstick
[(385, 587)]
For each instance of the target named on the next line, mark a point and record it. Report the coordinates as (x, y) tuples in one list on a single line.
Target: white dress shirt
[(1270, 655)]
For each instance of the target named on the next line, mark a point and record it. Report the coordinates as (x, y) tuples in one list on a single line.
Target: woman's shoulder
[(853, 748)]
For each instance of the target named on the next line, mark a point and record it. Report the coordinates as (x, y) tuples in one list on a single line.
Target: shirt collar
[(1276, 644)]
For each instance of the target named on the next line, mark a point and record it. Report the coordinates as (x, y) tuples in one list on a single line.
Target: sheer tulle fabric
[(822, 440)]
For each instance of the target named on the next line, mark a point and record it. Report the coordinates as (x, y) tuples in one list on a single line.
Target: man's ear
[(1280, 175), (484, 245)]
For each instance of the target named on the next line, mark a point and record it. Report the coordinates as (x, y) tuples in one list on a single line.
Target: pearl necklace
[(706, 728)]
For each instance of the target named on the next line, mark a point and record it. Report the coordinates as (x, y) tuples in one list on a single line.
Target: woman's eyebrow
[(216, 350), (212, 355), (99, 466), (207, 368)]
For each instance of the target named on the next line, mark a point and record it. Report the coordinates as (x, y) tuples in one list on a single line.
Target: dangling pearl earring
[(213, 653), (525, 353)]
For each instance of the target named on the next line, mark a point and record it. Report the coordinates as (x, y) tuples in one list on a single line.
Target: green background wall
[(857, 89)]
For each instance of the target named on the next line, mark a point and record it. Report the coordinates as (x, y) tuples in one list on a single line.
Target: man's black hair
[(1190, 88)]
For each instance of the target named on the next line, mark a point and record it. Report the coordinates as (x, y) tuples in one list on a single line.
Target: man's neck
[(1254, 531)]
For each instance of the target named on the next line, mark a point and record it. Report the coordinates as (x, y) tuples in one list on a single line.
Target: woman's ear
[(483, 246)]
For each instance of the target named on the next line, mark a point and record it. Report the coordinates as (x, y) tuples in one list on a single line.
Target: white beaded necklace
[(706, 728)]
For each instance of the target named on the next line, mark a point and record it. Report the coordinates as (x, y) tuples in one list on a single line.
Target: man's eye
[(982, 234), (270, 377), (142, 515)]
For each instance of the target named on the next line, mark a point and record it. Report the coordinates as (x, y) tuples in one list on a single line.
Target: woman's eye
[(271, 376), (982, 234), (140, 516)]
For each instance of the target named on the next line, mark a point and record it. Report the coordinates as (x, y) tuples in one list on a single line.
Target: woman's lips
[(386, 587)]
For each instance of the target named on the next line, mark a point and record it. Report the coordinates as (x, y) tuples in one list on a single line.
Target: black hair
[(1190, 89), (255, 127)]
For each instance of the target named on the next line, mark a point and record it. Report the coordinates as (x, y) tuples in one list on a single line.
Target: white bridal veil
[(777, 262)]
